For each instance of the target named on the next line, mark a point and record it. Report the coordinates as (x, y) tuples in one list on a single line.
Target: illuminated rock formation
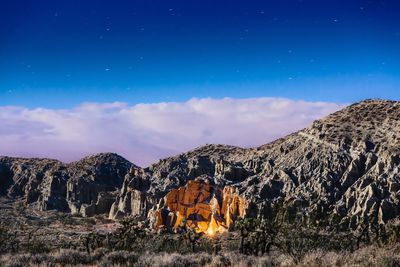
[(201, 205)]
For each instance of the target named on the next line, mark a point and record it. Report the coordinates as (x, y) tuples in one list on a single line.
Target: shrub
[(67, 219), (8, 239), (124, 258), (220, 261), (19, 260), (174, 260), (71, 257), (35, 246)]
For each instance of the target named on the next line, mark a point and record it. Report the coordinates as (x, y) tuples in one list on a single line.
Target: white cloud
[(143, 133)]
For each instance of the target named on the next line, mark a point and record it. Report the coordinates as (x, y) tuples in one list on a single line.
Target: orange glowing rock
[(202, 206)]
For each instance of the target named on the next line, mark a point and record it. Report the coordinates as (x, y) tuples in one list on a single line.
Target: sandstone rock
[(201, 205)]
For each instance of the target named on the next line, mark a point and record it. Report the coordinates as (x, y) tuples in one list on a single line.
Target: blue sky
[(58, 54)]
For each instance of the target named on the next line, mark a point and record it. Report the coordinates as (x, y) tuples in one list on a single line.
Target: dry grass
[(367, 256)]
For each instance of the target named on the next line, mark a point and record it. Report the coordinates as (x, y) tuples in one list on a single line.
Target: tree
[(245, 226), (192, 236)]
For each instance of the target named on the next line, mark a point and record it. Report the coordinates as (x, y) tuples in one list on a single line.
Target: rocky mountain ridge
[(344, 167), (76, 187)]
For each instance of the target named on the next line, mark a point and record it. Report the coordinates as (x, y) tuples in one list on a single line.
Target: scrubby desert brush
[(119, 258), (392, 232), (245, 226), (168, 244), (91, 241), (192, 237), (8, 239), (130, 237), (267, 243), (20, 208), (67, 219), (3, 236), (175, 259), (291, 233), (71, 257), (366, 256), (33, 243)]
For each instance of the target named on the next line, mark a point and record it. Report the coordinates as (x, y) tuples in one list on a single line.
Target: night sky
[(58, 54)]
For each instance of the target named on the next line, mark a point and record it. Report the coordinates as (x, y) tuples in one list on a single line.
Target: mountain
[(81, 186), (344, 167)]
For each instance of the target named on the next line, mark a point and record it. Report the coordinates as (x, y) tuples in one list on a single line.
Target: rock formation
[(344, 167), (200, 205), (78, 187)]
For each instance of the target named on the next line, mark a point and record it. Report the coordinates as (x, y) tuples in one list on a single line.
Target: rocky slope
[(344, 167), (86, 186)]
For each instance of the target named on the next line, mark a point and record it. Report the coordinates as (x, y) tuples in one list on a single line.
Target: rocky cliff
[(86, 186), (200, 205), (344, 167)]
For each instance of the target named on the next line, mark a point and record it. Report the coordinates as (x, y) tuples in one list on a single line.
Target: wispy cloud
[(143, 133)]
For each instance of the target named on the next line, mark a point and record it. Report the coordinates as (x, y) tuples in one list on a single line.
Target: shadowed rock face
[(76, 187), (343, 167)]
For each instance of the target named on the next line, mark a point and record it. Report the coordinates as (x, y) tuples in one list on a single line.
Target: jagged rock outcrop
[(101, 206), (200, 205), (344, 167), (91, 176), (134, 199), (78, 187)]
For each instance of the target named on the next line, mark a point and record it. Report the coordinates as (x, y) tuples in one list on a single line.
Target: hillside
[(344, 167)]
